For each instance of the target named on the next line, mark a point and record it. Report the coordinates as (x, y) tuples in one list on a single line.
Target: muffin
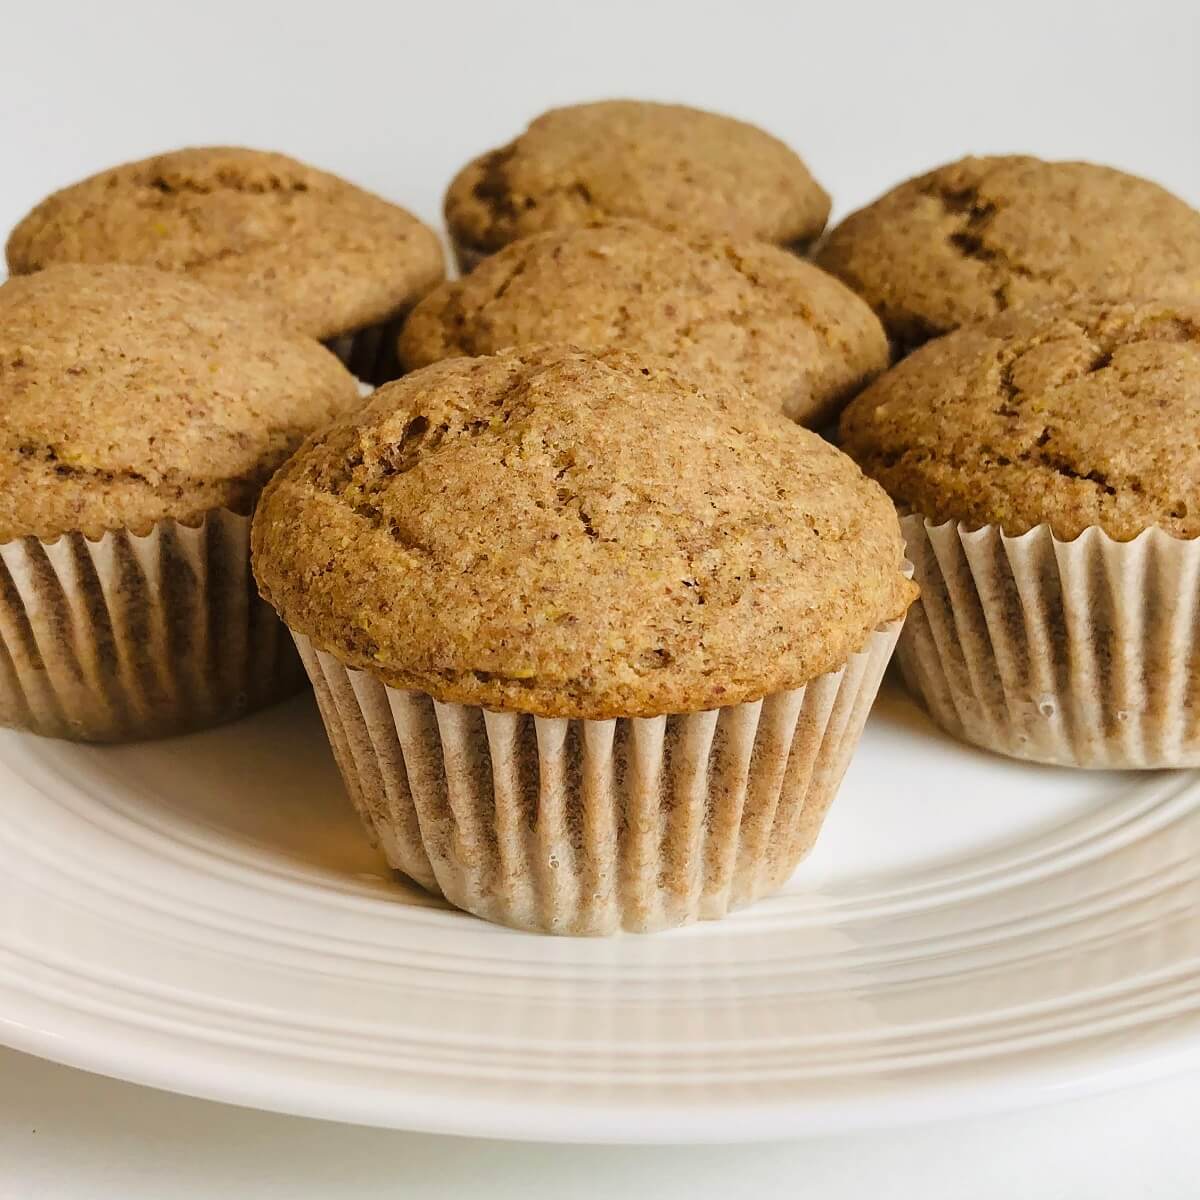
[(340, 264), (140, 415), (980, 236), (745, 314), (670, 166), (1047, 464), (593, 645)]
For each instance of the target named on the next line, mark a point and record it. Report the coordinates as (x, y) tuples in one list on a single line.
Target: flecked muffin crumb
[(1072, 416), (331, 257), (128, 395), (747, 314), (666, 164), (577, 535), (980, 236)]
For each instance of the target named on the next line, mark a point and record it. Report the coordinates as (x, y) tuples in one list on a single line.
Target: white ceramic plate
[(203, 915)]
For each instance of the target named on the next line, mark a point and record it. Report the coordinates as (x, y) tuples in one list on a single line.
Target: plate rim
[(925, 1099), (39, 1016)]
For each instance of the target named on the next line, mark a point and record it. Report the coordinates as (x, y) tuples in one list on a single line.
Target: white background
[(396, 97)]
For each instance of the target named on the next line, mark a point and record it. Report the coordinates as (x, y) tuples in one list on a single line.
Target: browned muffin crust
[(330, 256), (980, 236), (572, 535), (744, 313), (128, 395), (1071, 416), (668, 165)]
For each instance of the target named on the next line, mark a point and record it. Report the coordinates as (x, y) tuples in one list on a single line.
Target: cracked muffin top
[(671, 166), (330, 256), (977, 237), (576, 535), (128, 395), (1072, 416), (750, 314)]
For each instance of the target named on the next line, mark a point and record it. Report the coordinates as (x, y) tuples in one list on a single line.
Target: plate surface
[(204, 915)]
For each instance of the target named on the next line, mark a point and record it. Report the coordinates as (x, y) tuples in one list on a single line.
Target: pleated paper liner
[(1082, 652), (135, 636), (589, 827), (370, 352)]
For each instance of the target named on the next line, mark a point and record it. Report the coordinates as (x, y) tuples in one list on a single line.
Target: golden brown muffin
[(1071, 416), (671, 166), (743, 313), (128, 395), (566, 534), (983, 235), (330, 256)]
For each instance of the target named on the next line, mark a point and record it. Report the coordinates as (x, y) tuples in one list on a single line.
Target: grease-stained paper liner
[(1083, 653), (134, 636), (370, 352), (589, 827)]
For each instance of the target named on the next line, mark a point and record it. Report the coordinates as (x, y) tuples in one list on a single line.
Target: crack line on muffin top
[(418, 439), (494, 189), (170, 478), (977, 216), (223, 181), (1092, 344)]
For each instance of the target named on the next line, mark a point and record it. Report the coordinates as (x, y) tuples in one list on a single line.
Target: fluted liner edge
[(1081, 653), (138, 635), (590, 827)]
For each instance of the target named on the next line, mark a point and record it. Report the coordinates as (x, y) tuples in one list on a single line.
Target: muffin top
[(577, 535), (977, 237), (330, 256), (1070, 416), (674, 167), (750, 314), (128, 395)]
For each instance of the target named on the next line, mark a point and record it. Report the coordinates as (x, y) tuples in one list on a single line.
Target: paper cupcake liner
[(589, 827), (370, 352), (135, 636), (1083, 653)]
